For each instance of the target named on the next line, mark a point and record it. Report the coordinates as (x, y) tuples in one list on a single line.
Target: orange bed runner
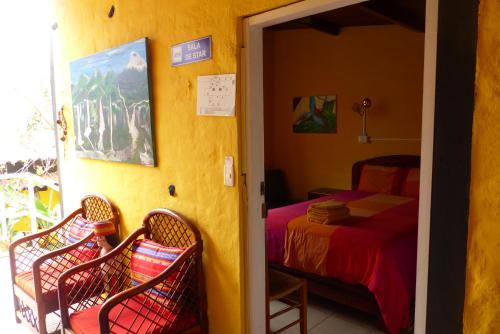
[(307, 244)]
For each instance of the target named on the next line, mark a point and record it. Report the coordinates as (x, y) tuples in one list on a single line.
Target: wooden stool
[(282, 287)]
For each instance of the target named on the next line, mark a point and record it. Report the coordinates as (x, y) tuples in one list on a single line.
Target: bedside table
[(320, 192)]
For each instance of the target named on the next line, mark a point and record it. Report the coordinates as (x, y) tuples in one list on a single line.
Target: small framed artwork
[(315, 114), (112, 105)]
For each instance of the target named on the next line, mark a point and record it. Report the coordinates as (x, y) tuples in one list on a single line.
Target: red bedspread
[(377, 248)]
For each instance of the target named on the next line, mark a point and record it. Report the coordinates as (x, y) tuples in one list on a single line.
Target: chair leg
[(42, 325), (16, 307), (303, 309)]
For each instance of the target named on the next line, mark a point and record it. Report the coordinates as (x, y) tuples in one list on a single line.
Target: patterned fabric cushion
[(79, 228), (148, 260), (411, 185), (134, 318), (104, 228), (380, 179), (48, 279)]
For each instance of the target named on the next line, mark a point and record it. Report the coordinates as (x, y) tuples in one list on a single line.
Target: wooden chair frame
[(280, 287), (27, 254), (93, 273)]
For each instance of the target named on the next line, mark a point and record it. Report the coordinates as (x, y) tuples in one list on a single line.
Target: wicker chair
[(37, 260), (108, 298)]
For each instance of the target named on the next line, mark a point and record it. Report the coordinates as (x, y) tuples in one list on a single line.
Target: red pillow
[(380, 179), (411, 185)]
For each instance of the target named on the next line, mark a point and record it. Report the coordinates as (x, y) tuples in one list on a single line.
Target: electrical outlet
[(229, 171)]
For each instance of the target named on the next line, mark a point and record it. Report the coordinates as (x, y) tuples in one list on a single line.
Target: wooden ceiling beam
[(395, 13), (321, 25)]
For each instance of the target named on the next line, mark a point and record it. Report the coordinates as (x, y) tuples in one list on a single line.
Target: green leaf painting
[(112, 105), (315, 114)]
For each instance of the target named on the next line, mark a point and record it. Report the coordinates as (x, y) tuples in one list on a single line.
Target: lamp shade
[(104, 228)]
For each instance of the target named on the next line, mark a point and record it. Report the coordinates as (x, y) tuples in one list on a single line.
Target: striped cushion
[(80, 228), (104, 228), (148, 260)]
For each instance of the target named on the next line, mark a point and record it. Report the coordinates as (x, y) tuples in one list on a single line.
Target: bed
[(367, 261)]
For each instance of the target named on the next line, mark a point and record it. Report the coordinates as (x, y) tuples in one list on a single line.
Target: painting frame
[(112, 105), (315, 114)]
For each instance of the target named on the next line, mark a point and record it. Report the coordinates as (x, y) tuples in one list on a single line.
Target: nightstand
[(320, 192)]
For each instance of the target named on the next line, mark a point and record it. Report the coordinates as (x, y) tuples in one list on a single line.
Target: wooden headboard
[(405, 161)]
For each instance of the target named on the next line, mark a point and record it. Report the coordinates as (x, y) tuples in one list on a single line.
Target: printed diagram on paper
[(216, 95)]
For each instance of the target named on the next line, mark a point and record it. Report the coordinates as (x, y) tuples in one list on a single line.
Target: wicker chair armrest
[(40, 234), (35, 236), (61, 282), (131, 292), (53, 255)]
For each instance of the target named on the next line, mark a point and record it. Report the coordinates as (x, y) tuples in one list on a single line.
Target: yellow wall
[(482, 301), (190, 149), (384, 63)]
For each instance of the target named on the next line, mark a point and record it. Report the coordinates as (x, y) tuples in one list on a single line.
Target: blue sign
[(192, 51)]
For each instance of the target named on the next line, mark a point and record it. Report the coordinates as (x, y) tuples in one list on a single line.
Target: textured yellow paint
[(190, 149), (482, 302)]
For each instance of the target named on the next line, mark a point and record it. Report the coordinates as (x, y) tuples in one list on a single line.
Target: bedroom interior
[(347, 56)]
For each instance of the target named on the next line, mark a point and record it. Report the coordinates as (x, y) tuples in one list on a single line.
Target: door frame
[(445, 57), (55, 117)]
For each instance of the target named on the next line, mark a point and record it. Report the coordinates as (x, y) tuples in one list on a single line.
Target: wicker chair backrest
[(98, 208), (168, 228)]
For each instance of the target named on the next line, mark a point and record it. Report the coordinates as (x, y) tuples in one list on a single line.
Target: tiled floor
[(324, 317)]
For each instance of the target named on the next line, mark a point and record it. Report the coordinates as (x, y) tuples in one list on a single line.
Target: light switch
[(229, 171)]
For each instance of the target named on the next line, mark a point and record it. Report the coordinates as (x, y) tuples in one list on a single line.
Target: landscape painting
[(315, 114), (112, 105)]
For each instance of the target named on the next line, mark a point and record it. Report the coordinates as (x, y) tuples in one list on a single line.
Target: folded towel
[(327, 205), (328, 212), (331, 215)]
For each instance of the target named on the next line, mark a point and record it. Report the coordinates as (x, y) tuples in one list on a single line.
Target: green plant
[(16, 202)]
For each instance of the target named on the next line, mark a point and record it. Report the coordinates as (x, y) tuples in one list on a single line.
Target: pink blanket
[(378, 250)]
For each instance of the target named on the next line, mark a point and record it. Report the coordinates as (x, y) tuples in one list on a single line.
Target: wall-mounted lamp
[(362, 110)]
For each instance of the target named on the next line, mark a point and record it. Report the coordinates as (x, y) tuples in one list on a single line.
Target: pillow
[(411, 185), (148, 260), (380, 179), (104, 228), (79, 228)]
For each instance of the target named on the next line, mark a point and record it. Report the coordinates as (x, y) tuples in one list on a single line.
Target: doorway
[(253, 64)]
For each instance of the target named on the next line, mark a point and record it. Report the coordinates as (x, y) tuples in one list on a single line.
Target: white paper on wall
[(216, 95)]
